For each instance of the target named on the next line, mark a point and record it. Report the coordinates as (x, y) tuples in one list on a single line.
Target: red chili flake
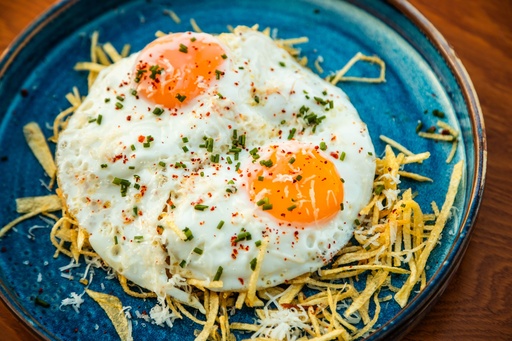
[(241, 280), (334, 155), (128, 118), (141, 138)]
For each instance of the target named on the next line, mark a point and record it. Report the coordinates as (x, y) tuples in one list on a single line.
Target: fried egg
[(189, 155)]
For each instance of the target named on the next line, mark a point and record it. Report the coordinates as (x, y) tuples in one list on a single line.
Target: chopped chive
[(188, 234), (92, 120), (218, 73), (267, 207), (243, 236), (100, 117), (220, 95), (131, 167), (161, 163), (185, 148), (292, 207), (342, 156), (134, 92), (438, 113), (379, 189), (218, 274), (224, 56), (146, 144), (282, 64), (262, 201), (370, 153), (180, 97), (237, 167), (138, 238), (257, 243), (200, 207), (107, 100), (253, 263), (39, 301), (132, 147), (193, 39), (228, 159), (184, 139), (323, 146), (299, 177), (292, 133), (135, 211), (342, 207), (158, 111), (136, 186), (267, 163), (260, 178), (220, 224), (256, 99), (104, 165), (115, 240), (119, 105), (198, 251), (292, 160), (357, 222), (183, 48), (120, 98), (183, 263)]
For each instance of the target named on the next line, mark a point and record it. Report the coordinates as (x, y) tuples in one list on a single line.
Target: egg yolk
[(174, 69), (296, 185)]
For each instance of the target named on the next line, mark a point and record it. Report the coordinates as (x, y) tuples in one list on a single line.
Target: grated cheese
[(74, 300)]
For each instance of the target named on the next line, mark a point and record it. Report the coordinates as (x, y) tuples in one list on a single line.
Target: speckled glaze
[(423, 74)]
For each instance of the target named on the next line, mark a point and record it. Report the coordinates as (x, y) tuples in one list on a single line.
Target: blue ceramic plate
[(423, 74)]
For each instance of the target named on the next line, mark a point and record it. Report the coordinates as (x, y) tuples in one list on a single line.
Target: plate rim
[(419, 305)]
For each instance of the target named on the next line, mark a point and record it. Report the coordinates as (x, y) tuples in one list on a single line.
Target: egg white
[(128, 239)]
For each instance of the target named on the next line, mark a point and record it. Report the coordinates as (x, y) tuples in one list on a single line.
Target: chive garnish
[(298, 178), (342, 207), (253, 263), (243, 236), (257, 243), (260, 178), (198, 251), (342, 156), (180, 97), (267, 207), (136, 186), (158, 111), (220, 224), (267, 163), (184, 139), (41, 302), (185, 148), (161, 163), (256, 99), (292, 207), (224, 56), (357, 222), (282, 64), (104, 165), (132, 147), (183, 263), (188, 234), (115, 240), (323, 146), (379, 189), (200, 207), (119, 105), (218, 73), (292, 160), (292, 133), (183, 48), (218, 274), (100, 117)]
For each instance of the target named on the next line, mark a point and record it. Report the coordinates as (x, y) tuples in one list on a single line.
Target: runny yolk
[(301, 186), (174, 69)]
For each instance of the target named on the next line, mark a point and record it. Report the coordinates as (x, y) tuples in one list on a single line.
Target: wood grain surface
[(477, 305)]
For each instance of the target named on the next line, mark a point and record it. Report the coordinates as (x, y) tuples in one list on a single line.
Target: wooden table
[(477, 304)]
